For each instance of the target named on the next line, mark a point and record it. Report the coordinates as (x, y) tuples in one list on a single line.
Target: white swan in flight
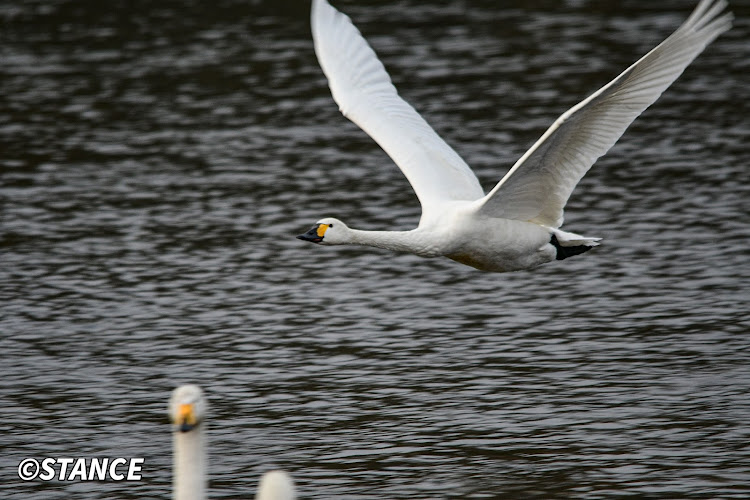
[(187, 409), (517, 224)]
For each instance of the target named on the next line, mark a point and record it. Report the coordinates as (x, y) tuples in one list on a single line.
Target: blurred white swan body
[(187, 409), (517, 224)]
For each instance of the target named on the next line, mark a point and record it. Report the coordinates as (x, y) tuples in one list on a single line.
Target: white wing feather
[(537, 187), (363, 90)]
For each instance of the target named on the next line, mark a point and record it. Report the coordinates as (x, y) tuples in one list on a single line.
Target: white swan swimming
[(276, 485), (517, 224), (187, 409)]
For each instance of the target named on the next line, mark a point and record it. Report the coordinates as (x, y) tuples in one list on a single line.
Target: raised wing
[(364, 92), (537, 187)]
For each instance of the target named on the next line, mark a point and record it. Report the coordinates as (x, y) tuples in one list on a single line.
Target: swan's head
[(328, 231), (276, 485), (187, 406)]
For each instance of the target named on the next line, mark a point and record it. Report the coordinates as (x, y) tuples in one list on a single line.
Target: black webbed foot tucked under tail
[(565, 252)]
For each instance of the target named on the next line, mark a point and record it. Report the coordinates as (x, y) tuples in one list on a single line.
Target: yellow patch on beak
[(187, 414), (322, 228)]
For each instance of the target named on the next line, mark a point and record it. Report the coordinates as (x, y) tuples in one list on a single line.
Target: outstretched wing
[(364, 92), (537, 187)]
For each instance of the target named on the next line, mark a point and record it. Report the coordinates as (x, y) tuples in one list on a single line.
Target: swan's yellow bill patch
[(187, 415), (322, 228)]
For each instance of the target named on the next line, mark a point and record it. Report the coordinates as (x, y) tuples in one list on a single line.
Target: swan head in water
[(276, 485), (187, 407), (328, 231)]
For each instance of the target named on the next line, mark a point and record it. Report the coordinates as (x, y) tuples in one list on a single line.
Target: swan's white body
[(515, 226), (187, 408)]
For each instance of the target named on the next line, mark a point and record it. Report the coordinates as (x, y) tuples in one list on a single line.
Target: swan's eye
[(330, 225)]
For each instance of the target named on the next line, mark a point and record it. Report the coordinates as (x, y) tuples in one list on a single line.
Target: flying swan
[(517, 224), (187, 409)]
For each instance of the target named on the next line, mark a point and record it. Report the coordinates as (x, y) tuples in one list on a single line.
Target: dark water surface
[(157, 159)]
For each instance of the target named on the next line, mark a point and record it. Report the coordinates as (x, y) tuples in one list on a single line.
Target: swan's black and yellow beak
[(186, 420), (315, 234)]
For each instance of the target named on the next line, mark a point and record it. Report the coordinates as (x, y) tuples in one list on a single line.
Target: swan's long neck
[(398, 241), (189, 480)]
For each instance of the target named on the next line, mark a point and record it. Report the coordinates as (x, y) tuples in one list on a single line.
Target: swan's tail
[(570, 244)]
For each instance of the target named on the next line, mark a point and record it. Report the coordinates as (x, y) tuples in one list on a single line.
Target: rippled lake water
[(157, 160)]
